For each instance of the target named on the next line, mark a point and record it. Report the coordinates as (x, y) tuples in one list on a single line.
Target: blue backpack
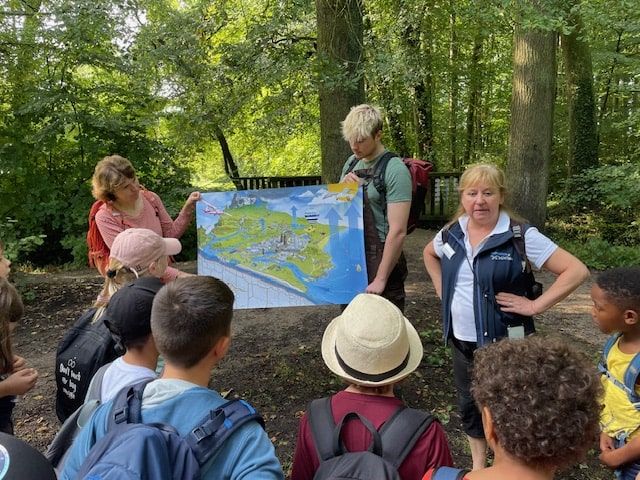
[(134, 450), (448, 473), (628, 385)]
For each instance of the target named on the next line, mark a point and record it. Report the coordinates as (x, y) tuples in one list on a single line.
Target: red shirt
[(431, 450)]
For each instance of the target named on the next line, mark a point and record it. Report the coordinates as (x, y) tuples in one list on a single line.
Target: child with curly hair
[(616, 310), (539, 402)]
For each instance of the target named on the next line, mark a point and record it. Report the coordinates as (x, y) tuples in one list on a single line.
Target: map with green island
[(269, 242), (290, 246)]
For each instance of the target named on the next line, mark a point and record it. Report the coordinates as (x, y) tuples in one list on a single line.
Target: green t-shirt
[(398, 182)]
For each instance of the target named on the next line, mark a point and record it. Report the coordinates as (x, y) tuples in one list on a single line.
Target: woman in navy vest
[(480, 265)]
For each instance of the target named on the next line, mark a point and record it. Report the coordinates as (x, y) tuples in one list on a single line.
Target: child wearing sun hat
[(372, 347)]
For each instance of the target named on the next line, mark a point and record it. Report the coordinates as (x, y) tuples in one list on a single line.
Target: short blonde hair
[(487, 174), (362, 121), (111, 174)]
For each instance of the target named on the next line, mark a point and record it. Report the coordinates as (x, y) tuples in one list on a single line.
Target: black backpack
[(389, 447), (60, 446), (419, 171), (86, 347)]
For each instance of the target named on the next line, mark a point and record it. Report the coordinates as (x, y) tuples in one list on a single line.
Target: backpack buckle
[(201, 432), (121, 415)]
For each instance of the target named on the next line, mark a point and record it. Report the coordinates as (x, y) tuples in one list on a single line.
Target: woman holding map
[(123, 203)]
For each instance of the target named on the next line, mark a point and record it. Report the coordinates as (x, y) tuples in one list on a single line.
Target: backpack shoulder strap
[(59, 447), (127, 405), (631, 374), (95, 387), (353, 161), (380, 171), (519, 229), (607, 348), (322, 425), (445, 235), (401, 432), (448, 473), (211, 432), (630, 380)]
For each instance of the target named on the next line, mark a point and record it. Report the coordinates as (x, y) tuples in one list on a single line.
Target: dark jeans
[(394, 290), (462, 365)]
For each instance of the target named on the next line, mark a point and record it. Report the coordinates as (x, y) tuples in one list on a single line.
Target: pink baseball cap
[(137, 248)]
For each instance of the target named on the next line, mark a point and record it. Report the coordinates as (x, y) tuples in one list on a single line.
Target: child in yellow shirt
[(616, 310)]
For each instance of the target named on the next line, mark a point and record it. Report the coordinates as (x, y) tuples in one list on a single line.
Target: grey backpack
[(389, 447)]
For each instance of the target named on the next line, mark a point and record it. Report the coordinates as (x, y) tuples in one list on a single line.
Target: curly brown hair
[(543, 396)]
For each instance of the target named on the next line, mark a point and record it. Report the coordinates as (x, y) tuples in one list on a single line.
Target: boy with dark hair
[(190, 322), (616, 309), (128, 318), (539, 400)]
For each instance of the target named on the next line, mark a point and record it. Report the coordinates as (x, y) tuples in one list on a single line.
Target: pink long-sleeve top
[(154, 216)]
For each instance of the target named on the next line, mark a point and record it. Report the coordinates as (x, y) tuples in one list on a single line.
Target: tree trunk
[(395, 126), (605, 96), (583, 140), (453, 90), (424, 94), (230, 167), (474, 96), (340, 37), (531, 128)]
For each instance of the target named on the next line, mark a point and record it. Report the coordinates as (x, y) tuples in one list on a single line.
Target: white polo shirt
[(538, 247)]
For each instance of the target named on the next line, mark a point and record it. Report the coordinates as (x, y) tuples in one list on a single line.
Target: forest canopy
[(195, 91)]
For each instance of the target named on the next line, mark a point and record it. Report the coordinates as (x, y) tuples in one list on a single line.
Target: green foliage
[(16, 247), (601, 255), (609, 198), (156, 80), (597, 217)]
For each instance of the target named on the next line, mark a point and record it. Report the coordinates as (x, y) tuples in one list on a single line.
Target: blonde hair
[(487, 174), (111, 174), (117, 275), (11, 310), (362, 121)]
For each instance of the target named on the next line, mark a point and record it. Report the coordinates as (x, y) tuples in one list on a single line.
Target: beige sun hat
[(371, 343)]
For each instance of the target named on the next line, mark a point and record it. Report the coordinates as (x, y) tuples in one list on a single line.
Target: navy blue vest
[(498, 267)]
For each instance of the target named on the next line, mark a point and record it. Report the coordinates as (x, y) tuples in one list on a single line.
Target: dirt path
[(274, 360)]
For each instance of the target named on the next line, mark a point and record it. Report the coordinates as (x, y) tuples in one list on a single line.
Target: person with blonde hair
[(480, 265), (135, 253), (385, 213), (128, 205)]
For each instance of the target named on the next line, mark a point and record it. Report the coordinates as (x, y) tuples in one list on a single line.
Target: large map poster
[(284, 247)]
